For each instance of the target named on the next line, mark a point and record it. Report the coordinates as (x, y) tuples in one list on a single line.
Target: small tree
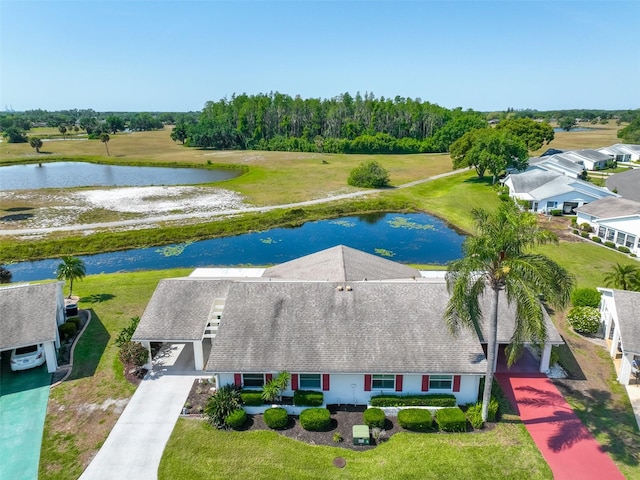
[(133, 354), (36, 143), (104, 138), (71, 268), (585, 297), (369, 175), (272, 391), (5, 275), (567, 123), (222, 404), (63, 130)]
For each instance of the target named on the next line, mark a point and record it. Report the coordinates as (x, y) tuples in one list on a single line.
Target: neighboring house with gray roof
[(619, 313), (613, 219), (342, 321), (590, 158), (544, 191), (31, 315), (622, 152), (625, 184), (557, 163)]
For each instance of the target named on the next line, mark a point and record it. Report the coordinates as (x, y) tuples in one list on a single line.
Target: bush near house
[(596, 239), (556, 213), (610, 245), (623, 249), (67, 330), (427, 400), (451, 420), (373, 418), (584, 234), (308, 398), (585, 297), (315, 419), (236, 419), (276, 418), (584, 319), (75, 320), (474, 413), (251, 398), (585, 227), (415, 419)]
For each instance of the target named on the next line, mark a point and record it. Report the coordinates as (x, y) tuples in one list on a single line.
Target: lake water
[(405, 238), (83, 174)]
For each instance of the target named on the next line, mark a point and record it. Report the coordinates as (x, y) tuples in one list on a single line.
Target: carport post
[(50, 356), (149, 364), (546, 358), (198, 355)]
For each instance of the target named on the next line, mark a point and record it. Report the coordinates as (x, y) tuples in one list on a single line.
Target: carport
[(31, 315)]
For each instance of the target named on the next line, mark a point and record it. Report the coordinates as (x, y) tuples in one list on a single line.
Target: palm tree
[(498, 257), (104, 138), (36, 143), (71, 268), (623, 277)]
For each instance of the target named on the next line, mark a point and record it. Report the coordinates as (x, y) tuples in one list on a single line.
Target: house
[(342, 321), (31, 315), (619, 314), (622, 152), (590, 158), (613, 219), (557, 163), (625, 184), (544, 191)]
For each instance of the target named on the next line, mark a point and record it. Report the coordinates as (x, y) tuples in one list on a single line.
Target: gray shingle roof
[(28, 314), (312, 327), (179, 309), (611, 207), (339, 264), (627, 307), (592, 154), (626, 184), (528, 181)]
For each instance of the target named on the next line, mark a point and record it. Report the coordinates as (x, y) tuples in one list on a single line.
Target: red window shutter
[(325, 381), (398, 383), (456, 383), (294, 381), (269, 377), (367, 383), (237, 379), (425, 383)]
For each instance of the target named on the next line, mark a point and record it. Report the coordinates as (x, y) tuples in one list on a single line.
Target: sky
[(175, 56)]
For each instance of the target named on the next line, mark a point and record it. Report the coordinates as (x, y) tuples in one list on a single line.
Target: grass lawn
[(504, 452)]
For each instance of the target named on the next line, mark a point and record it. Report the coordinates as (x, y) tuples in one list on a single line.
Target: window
[(620, 238), (252, 380), (442, 382), (601, 231), (552, 204), (610, 235), (309, 380), (631, 241), (381, 382)]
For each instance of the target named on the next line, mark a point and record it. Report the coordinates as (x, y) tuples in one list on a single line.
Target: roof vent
[(339, 288), (348, 288)]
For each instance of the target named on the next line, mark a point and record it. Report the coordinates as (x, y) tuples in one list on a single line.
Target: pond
[(405, 238), (83, 174)]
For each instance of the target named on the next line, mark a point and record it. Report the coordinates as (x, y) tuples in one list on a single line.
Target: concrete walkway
[(565, 443), (136, 443)]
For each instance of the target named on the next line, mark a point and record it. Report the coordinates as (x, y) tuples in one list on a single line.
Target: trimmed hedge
[(374, 418), (67, 330), (623, 249), (585, 297), (596, 239), (315, 419), (556, 213), (75, 320), (584, 234), (427, 400), (252, 398), (584, 319), (308, 398), (276, 418), (451, 420), (415, 419), (610, 245), (236, 419)]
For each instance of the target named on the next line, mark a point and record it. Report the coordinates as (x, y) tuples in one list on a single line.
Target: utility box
[(361, 435)]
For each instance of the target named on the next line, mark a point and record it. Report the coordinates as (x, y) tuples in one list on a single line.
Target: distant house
[(340, 321), (614, 220), (557, 163), (619, 312), (30, 315), (543, 191), (591, 159), (622, 152)]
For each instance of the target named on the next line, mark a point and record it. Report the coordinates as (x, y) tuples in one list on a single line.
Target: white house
[(590, 158), (341, 321), (31, 314), (544, 191), (622, 152), (557, 163), (614, 220), (619, 312)]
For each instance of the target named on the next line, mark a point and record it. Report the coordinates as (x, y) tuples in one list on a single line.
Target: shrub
[(133, 354), (77, 321), (474, 414), (504, 197), (373, 417), (584, 234), (276, 418), (315, 419), (574, 222), (236, 419), (494, 406), (556, 213), (251, 398), (585, 297), (585, 227), (584, 319), (451, 420), (272, 391), (127, 332), (596, 239), (427, 400), (369, 175), (222, 404), (610, 244), (415, 419), (575, 232), (308, 398), (337, 437), (67, 330), (623, 249)]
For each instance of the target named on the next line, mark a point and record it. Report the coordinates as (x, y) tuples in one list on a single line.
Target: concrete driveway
[(23, 406), (136, 443)]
